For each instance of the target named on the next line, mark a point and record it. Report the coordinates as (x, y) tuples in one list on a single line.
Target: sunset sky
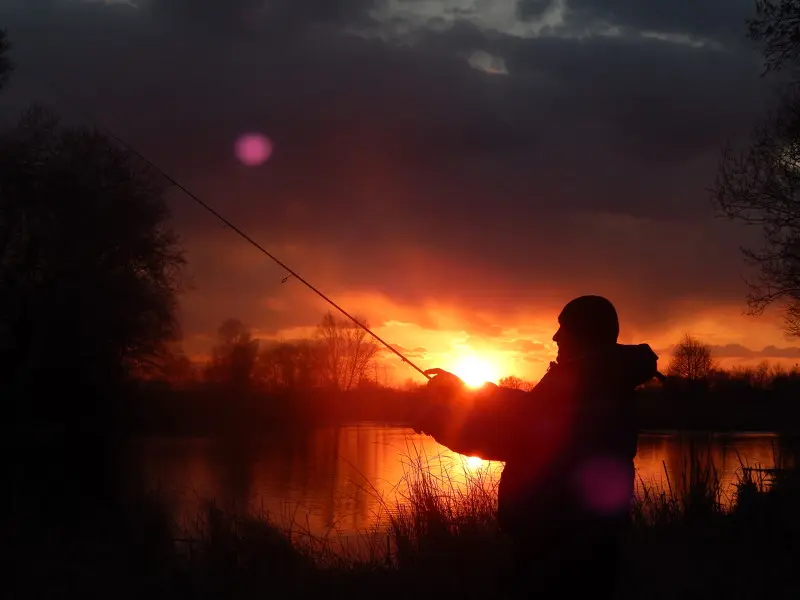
[(454, 170)]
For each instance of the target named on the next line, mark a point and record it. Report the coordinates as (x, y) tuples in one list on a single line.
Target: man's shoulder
[(576, 374), (559, 377)]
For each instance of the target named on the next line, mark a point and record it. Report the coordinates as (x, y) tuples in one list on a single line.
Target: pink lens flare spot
[(253, 149), (606, 485)]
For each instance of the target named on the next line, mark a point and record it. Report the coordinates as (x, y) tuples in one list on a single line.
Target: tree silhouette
[(692, 360), (760, 185), (289, 366), (347, 353), (775, 26), (234, 358), (90, 269), (176, 368), (171, 367), (6, 66), (515, 383)]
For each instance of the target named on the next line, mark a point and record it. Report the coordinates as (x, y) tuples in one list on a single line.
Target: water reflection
[(347, 477), (669, 460)]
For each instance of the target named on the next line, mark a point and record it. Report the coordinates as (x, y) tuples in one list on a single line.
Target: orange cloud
[(437, 311), (446, 335)]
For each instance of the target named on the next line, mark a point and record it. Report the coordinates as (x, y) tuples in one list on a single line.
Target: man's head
[(586, 323)]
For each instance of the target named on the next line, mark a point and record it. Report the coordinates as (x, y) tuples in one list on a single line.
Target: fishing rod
[(292, 273), (260, 248)]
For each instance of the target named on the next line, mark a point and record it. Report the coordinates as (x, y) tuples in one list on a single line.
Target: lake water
[(344, 478)]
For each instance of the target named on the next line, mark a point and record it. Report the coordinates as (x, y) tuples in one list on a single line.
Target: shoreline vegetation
[(215, 410), (252, 386), (440, 540)]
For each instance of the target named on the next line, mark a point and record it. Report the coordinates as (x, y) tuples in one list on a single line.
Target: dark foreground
[(442, 543)]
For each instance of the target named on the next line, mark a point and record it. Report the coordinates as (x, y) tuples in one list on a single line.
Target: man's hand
[(444, 384), (442, 389)]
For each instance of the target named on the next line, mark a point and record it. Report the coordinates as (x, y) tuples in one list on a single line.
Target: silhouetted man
[(568, 447)]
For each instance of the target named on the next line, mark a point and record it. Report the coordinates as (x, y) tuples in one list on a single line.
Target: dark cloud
[(533, 9), (266, 18), (772, 351), (716, 19), (208, 12), (401, 169), (732, 351)]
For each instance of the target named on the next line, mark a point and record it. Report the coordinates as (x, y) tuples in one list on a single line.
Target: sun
[(474, 462), (475, 372)]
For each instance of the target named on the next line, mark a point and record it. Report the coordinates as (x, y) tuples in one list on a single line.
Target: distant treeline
[(339, 357), (335, 376), (698, 394)]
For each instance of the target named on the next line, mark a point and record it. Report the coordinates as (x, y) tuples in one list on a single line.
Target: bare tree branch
[(692, 360)]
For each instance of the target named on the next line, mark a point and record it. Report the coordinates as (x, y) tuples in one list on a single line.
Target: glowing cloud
[(487, 63)]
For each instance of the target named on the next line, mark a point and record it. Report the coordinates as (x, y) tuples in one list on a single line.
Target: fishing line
[(259, 247), (226, 222)]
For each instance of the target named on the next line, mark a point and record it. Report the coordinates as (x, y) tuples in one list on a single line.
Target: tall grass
[(440, 539), (696, 497), (440, 505)]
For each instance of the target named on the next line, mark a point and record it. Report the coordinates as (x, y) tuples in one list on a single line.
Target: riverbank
[(208, 411), (442, 541)]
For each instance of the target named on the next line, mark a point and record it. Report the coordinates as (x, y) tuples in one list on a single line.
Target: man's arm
[(497, 423), (484, 427)]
